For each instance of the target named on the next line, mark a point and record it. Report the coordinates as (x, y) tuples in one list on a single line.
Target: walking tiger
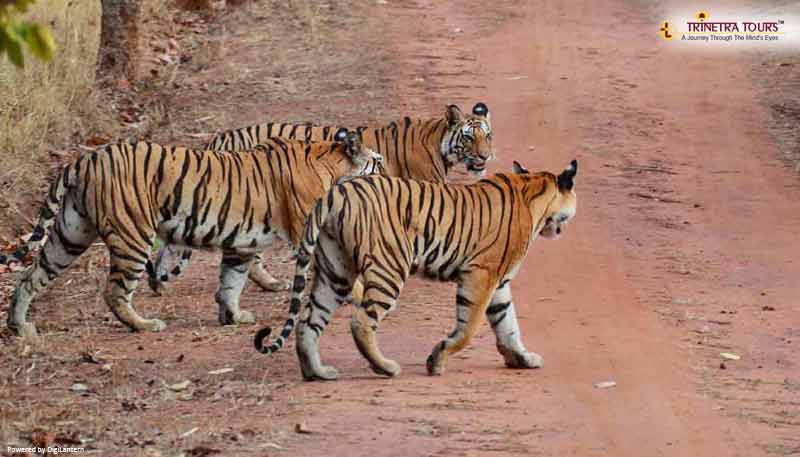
[(126, 194), (383, 229)]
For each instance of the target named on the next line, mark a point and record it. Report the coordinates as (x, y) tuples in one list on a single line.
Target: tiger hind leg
[(71, 235), (472, 299), (127, 263), (381, 289), (503, 318), (232, 278), (259, 275), (331, 287)]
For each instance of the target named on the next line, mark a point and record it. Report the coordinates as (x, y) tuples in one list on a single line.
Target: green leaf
[(16, 31), (14, 51), (41, 42)]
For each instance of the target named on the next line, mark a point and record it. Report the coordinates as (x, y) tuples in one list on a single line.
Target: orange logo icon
[(666, 33)]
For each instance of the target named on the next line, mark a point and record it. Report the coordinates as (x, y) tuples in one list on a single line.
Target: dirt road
[(684, 246), (684, 214)]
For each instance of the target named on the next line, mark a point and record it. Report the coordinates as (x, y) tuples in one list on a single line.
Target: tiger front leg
[(503, 319), (472, 298), (232, 278)]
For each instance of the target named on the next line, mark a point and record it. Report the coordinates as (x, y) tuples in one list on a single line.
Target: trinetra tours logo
[(701, 28)]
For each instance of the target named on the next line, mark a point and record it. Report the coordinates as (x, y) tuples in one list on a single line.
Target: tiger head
[(468, 138), (365, 161), (560, 208)]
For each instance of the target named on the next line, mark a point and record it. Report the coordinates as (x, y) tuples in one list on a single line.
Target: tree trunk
[(119, 40)]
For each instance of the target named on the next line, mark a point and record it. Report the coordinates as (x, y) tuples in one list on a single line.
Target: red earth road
[(680, 195)]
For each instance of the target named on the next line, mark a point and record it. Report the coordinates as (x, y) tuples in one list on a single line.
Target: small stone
[(301, 427), (722, 366), (79, 387), (179, 386)]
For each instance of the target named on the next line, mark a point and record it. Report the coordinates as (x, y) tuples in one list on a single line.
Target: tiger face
[(469, 139), (365, 160), (563, 205)]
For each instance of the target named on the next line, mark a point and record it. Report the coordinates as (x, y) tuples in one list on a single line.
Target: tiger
[(424, 149), (129, 193), (383, 229)]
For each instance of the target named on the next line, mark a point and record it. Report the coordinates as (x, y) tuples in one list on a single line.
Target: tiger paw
[(267, 282), (153, 325), (226, 317), (324, 373), (278, 285), (24, 330), (434, 365), (524, 360), (245, 317), (390, 368)]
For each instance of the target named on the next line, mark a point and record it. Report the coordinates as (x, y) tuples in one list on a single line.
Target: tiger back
[(415, 148)]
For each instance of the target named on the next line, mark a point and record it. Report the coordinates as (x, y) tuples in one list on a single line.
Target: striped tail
[(47, 217), (307, 245)]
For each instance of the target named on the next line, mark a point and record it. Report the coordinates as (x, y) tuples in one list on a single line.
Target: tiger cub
[(383, 229), (127, 194), (422, 149)]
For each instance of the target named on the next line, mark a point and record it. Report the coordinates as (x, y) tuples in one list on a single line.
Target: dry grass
[(45, 105)]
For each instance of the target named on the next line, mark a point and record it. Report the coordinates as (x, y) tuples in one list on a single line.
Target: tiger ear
[(480, 109), (352, 144), (340, 135), (453, 115), (519, 169), (566, 180)]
